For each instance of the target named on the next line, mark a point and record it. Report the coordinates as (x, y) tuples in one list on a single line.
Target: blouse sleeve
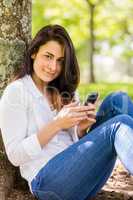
[(19, 147)]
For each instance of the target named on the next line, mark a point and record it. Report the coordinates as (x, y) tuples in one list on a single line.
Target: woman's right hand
[(72, 114)]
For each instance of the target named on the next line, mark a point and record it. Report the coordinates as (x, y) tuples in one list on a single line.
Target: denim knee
[(119, 102), (118, 95), (124, 119), (114, 104)]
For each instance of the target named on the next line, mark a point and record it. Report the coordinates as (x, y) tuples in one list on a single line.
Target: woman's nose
[(52, 65)]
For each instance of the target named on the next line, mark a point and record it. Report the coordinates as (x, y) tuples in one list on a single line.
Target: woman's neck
[(53, 99), (39, 83)]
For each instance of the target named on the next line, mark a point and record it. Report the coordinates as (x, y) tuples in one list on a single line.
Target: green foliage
[(113, 24), (73, 16), (104, 89)]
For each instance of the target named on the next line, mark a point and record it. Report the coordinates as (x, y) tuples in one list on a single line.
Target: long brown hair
[(69, 78)]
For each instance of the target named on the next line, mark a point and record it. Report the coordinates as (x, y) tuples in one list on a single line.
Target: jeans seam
[(56, 195), (51, 192)]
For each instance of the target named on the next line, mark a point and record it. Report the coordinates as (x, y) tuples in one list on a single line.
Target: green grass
[(104, 89)]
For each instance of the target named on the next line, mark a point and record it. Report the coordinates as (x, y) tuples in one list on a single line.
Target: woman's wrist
[(48, 132), (57, 124), (80, 132)]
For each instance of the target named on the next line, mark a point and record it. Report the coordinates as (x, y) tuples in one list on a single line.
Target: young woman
[(44, 128)]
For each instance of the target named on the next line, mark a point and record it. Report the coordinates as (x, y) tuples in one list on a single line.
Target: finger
[(92, 106), (79, 119), (90, 113), (72, 104), (96, 102), (91, 116), (91, 120), (78, 114), (81, 108)]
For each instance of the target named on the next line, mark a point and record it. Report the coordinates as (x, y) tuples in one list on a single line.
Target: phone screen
[(91, 98)]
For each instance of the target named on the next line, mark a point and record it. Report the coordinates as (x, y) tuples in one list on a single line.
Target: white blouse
[(23, 111)]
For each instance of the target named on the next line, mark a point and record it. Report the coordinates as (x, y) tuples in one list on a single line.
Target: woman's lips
[(48, 73)]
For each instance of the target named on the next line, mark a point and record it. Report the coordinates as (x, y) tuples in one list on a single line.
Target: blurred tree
[(15, 33), (73, 16), (92, 39), (92, 5), (111, 29), (115, 38)]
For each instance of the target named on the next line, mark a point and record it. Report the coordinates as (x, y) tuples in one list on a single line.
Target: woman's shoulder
[(14, 87), (15, 92)]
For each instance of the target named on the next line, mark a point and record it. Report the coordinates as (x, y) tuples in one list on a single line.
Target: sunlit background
[(112, 30)]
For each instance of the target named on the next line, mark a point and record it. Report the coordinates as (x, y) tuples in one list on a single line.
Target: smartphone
[(91, 98)]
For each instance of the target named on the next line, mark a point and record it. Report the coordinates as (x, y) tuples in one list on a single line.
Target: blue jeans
[(81, 170)]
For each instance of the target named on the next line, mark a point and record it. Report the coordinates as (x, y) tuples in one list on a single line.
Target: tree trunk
[(92, 40), (91, 7), (15, 33)]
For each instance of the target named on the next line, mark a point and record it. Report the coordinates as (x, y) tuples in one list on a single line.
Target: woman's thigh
[(75, 172)]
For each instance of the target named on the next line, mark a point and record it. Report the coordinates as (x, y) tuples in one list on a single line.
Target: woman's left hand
[(88, 122)]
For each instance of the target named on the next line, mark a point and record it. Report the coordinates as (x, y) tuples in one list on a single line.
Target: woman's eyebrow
[(49, 53)]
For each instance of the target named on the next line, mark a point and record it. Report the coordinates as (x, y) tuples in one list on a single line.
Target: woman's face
[(48, 62)]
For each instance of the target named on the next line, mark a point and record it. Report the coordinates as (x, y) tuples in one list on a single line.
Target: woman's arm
[(19, 147), (68, 117), (50, 130)]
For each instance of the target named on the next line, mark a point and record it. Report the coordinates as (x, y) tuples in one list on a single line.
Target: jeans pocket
[(49, 195)]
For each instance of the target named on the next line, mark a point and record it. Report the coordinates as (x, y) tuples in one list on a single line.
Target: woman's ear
[(33, 56)]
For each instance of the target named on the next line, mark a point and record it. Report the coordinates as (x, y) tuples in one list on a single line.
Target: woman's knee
[(115, 103), (124, 118), (119, 102), (117, 97)]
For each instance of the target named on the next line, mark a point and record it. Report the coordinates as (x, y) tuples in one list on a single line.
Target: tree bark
[(91, 7), (15, 34), (92, 43)]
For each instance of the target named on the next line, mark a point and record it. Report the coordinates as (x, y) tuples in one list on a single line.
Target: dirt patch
[(119, 185)]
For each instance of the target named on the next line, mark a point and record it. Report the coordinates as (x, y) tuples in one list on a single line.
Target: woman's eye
[(48, 56)]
